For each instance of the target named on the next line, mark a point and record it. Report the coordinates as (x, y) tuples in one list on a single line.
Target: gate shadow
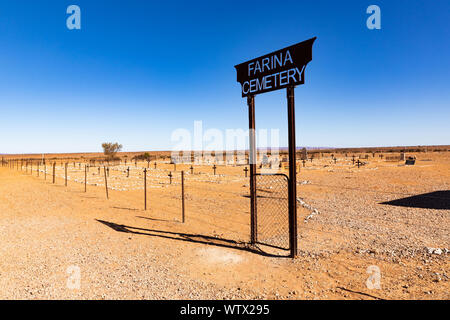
[(195, 238), (434, 200)]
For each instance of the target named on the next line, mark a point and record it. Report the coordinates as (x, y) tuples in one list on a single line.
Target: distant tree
[(110, 149)]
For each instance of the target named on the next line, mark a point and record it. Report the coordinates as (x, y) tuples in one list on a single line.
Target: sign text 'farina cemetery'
[(276, 70)]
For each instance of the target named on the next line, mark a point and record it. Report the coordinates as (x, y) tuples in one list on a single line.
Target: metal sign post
[(252, 163), (292, 173)]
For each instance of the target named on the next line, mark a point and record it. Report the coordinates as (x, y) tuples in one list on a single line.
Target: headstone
[(265, 160), (410, 161)]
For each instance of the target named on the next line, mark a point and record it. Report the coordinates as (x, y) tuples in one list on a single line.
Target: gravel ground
[(123, 252)]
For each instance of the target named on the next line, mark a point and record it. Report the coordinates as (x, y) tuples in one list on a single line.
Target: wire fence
[(272, 210), (218, 205)]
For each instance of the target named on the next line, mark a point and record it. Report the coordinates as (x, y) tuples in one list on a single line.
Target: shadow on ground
[(195, 238), (434, 200)]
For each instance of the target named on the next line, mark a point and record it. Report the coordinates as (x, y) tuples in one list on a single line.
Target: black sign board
[(277, 70)]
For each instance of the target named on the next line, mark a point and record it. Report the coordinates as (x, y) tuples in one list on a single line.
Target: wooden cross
[(304, 161), (358, 163), (245, 170), (170, 177), (155, 164), (192, 169), (128, 172), (214, 167)]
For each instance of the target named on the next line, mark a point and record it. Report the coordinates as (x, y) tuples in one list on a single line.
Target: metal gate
[(272, 209)]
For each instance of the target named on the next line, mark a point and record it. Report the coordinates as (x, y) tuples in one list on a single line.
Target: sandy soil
[(348, 221)]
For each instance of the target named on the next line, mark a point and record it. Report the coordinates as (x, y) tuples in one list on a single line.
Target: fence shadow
[(195, 238), (434, 200)]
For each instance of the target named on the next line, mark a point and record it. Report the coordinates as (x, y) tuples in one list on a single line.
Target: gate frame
[(292, 182), (289, 213)]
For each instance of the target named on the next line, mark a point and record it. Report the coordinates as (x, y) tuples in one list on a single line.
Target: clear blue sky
[(137, 70)]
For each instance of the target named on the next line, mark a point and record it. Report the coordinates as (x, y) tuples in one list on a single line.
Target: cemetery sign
[(277, 70), (280, 69)]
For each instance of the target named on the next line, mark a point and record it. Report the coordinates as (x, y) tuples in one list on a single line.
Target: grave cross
[(155, 164), (304, 161), (358, 163), (192, 169), (245, 170), (170, 177), (334, 160), (128, 172), (214, 167)]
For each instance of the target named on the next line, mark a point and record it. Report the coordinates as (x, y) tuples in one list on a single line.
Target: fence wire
[(272, 208)]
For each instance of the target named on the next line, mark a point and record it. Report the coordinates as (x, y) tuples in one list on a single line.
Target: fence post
[(145, 189), (106, 183), (182, 196)]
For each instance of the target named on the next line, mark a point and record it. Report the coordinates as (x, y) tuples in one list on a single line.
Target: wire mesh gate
[(272, 208)]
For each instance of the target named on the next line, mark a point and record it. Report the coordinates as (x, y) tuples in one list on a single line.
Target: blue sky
[(137, 70)]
